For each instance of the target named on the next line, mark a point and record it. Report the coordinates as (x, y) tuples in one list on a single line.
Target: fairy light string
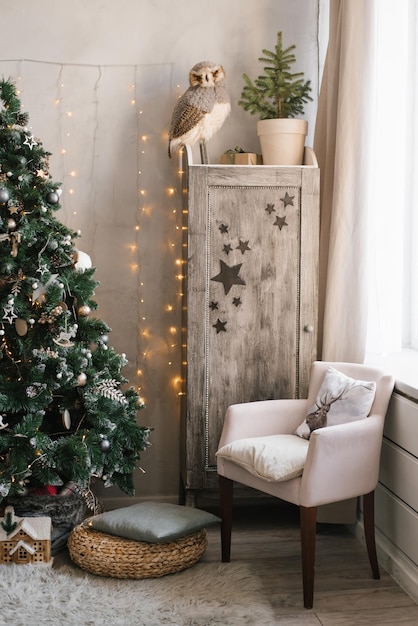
[(80, 178)]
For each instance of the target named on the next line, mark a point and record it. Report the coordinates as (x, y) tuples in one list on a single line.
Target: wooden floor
[(267, 537)]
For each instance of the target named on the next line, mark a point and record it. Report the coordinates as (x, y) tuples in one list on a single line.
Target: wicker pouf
[(108, 555)]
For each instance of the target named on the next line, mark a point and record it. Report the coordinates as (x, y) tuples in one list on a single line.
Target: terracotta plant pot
[(282, 140)]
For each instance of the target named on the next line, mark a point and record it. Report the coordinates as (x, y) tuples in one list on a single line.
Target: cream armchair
[(341, 462)]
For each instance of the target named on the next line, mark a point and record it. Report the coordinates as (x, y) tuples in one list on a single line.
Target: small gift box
[(239, 157)]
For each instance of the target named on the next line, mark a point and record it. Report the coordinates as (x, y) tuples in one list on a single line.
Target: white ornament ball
[(84, 310), (81, 379), (105, 444), (82, 261)]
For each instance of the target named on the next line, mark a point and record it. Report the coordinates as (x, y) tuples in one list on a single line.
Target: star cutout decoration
[(243, 246), (213, 306), (280, 222), (42, 174), (236, 302), (270, 208), (30, 141), (42, 269), (227, 248), (13, 210), (228, 276), (223, 228), (220, 326), (287, 200), (9, 314)]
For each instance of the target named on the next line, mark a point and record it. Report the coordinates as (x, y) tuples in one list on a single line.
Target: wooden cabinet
[(251, 238), (396, 495)]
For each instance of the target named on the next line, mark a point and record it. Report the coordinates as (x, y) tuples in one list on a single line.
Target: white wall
[(99, 80)]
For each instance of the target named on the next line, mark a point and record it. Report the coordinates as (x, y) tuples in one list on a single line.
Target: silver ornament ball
[(52, 197), (4, 196)]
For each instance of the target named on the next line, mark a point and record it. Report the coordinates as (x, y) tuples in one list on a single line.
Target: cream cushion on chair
[(340, 399), (273, 458)]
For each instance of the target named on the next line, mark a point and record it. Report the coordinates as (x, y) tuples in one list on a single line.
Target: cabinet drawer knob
[(309, 328)]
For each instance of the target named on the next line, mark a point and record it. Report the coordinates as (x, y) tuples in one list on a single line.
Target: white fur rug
[(208, 594)]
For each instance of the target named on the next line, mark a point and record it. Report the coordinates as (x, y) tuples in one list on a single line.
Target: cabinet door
[(250, 320)]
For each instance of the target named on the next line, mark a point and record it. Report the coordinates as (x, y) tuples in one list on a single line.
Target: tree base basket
[(65, 513), (117, 557)]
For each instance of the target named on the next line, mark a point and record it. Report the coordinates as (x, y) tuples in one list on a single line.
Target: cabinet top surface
[(253, 175), (255, 168)]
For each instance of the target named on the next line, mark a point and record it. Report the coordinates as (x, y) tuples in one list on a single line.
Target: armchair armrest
[(262, 418), (342, 461)]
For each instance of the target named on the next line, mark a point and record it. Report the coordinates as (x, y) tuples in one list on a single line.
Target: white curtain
[(392, 248), (366, 142), (342, 147)]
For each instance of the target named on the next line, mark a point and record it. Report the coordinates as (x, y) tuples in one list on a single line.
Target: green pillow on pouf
[(153, 522)]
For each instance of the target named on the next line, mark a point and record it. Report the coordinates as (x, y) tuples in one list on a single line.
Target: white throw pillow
[(340, 399), (274, 458)]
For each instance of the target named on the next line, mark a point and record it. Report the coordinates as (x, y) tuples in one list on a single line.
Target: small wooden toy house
[(24, 539)]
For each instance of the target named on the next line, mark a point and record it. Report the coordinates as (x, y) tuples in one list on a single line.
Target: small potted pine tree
[(277, 97)]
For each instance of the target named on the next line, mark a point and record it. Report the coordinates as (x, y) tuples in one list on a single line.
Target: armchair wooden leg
[(368, 520), (308, 537), (226, 496)]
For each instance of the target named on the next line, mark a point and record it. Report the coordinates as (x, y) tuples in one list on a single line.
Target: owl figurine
[(201, 110)]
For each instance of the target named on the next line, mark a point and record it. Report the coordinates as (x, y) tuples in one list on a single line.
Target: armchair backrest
[(384, 382)]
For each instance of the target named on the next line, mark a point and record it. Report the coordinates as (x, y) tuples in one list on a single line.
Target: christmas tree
[(66, 414), (279, 93)]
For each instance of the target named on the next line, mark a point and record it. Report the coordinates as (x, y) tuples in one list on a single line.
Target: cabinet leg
[(187, 497), (190, 499)]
